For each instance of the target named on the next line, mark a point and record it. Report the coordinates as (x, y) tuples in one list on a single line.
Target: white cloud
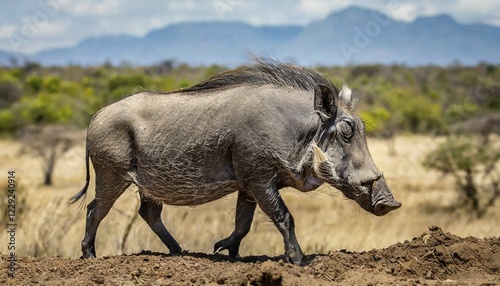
[(404, 12), (52, 29), (320, 8), (464, 11), (93, 8), (185, 5), (471, 11), (5, 33), (28, 36), (7, 30)]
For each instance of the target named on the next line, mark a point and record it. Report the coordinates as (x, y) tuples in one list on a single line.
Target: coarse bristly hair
[(271, 72)]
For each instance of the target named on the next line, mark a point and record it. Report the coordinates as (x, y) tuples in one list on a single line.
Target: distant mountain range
[(351, 36)]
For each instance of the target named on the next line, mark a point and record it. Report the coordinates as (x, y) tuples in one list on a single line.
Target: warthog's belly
[(190, 194), (186, 178)]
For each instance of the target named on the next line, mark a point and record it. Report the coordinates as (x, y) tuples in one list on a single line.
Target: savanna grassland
[(325, 219), (434, 238), (326, 222)]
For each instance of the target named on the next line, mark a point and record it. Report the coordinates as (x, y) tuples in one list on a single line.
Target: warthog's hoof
[(226, 244)]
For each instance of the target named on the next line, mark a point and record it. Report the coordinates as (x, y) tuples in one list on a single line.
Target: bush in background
[(474, 167)]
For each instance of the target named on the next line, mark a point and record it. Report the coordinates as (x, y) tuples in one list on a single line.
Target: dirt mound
[(432, 258), (434, 255)]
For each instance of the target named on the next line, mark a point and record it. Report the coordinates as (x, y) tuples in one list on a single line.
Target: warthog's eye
[(346, 128)]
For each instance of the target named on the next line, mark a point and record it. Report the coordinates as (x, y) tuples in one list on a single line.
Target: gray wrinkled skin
[(253, 130)]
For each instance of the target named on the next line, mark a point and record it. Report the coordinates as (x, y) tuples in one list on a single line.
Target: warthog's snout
[(381, 198), (385, 207)]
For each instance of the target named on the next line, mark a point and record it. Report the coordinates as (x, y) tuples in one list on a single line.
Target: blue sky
[(29, 26)]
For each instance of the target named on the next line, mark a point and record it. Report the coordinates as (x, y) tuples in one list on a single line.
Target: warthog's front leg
[(245, 209), (150, 211), (272, 204)]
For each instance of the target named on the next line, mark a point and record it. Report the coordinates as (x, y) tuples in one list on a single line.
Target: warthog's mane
[(268, 72)]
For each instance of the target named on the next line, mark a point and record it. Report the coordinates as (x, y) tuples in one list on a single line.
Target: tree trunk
[(470, 190), (51, 162)]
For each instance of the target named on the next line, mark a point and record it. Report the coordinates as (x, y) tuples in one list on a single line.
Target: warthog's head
[(341, 156)]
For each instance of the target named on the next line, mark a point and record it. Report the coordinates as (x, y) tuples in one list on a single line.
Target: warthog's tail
[(83, 191)]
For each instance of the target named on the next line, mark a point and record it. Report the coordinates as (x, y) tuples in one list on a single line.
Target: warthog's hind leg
[(150, 211), (96, 211), (109, 187), (95, 214), (245, 209)]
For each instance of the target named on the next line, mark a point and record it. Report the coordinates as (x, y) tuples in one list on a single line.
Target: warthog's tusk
[(319, 157)]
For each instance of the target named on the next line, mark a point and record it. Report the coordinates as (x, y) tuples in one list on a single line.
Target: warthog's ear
[(325, 101)]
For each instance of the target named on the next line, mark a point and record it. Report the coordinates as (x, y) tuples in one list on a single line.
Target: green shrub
[(45, 108), (10, 92), (375, 119), (6, 121), (414, 112), (473, 165), (51, 84), (128, 81), (34, 83)]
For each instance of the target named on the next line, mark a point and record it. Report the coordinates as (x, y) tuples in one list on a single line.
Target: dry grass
[(325, 220)]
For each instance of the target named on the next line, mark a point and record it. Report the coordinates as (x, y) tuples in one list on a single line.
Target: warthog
[(252, 130)]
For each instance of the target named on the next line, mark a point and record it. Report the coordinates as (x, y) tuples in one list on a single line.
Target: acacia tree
[(473, 165), (49, 142)]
